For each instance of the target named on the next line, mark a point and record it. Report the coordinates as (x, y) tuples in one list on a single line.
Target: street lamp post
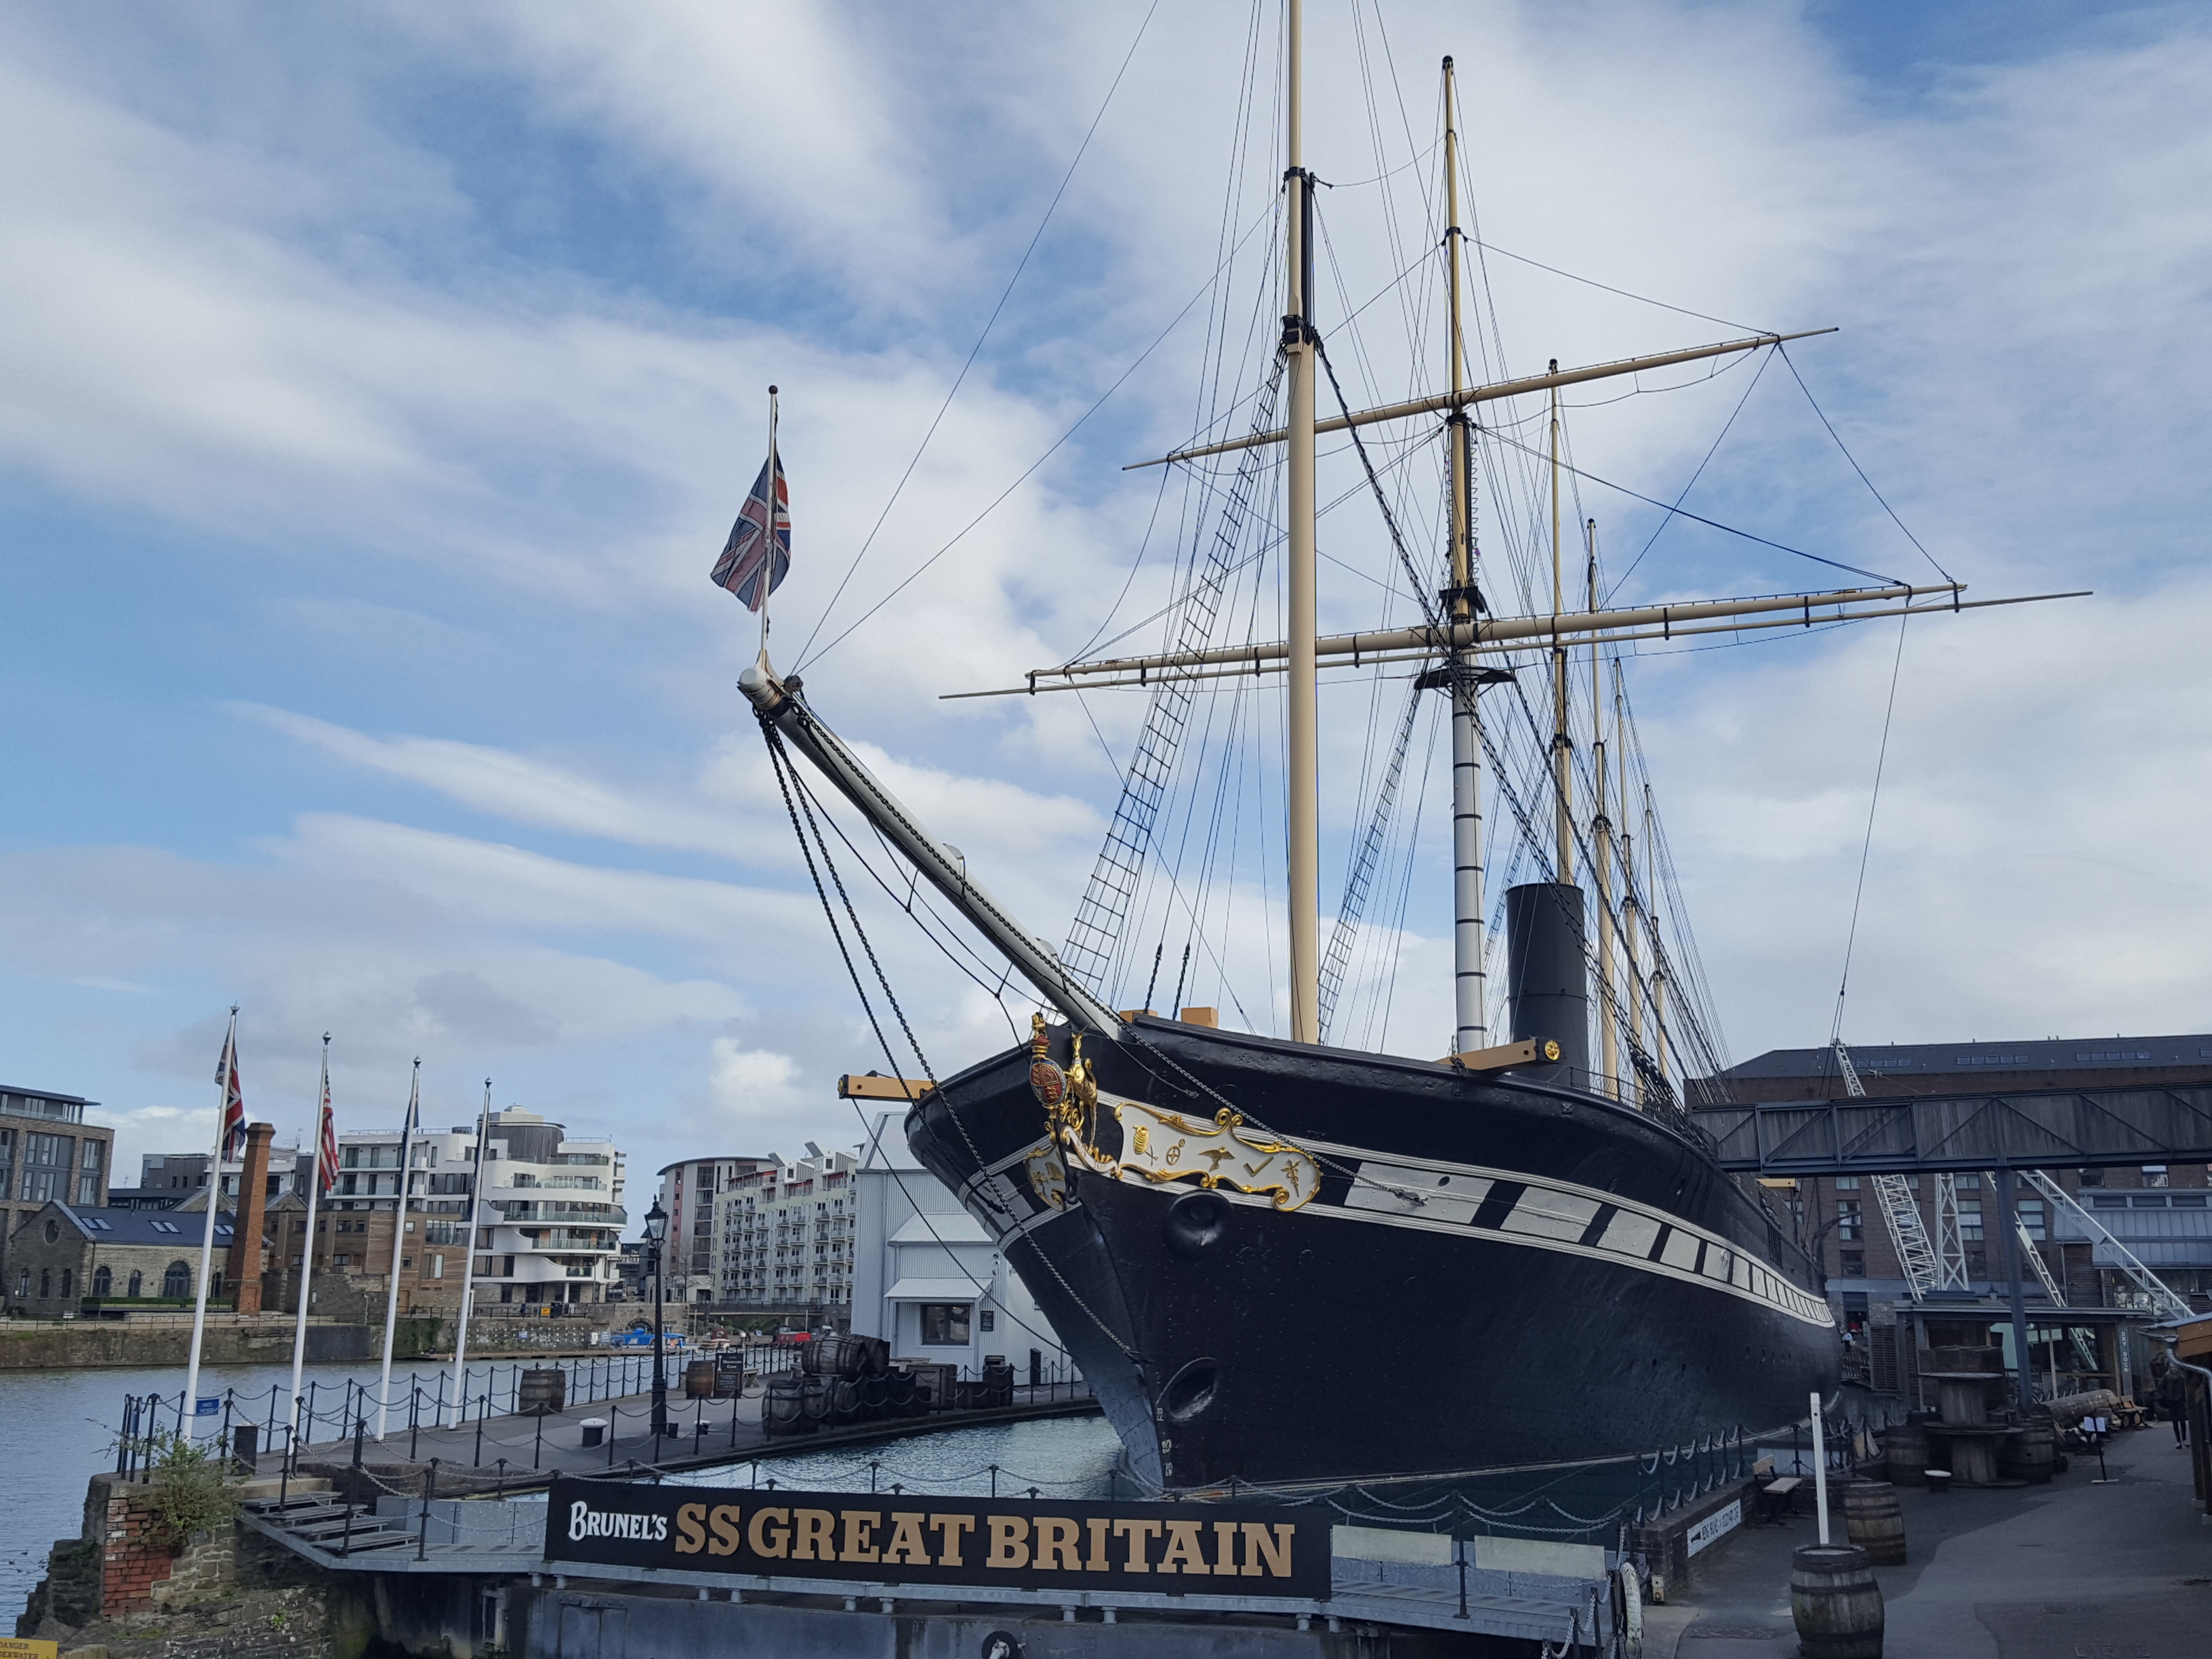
[(656, 1230)]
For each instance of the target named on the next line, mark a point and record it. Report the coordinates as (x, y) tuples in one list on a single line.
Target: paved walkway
[(706, 1431), (2071, 1571)]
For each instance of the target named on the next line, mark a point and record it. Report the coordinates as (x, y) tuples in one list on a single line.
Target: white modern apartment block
[(927, 1276), (691, 1196), (786, 1231), (551, 1217)]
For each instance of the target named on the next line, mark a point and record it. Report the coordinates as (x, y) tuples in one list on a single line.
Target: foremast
[(1302, 694), (1470, 993)]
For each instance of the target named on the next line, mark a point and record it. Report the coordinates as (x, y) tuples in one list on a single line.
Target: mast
[(1632, 971), (1470, 989), (1563, 745), (1601, 849), (1658, 953), (1302, 692)]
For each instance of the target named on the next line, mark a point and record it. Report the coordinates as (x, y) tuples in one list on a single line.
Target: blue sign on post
[(208, 1405)]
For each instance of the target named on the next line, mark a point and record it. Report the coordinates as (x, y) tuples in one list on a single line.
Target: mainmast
[(1563, 745), (1470, 992), (1302, 694), (1601, 847), (1632, 971)]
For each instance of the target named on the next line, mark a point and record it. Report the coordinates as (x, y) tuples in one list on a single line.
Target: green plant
[(190, 1488)]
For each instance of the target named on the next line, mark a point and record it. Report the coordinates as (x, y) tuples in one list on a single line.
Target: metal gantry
[(1900, 1211)]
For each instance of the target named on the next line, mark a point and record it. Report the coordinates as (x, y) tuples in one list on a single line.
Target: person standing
[(2173, 1398)]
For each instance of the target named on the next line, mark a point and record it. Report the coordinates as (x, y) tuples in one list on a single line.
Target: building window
[(46, 1161), (1855, 1264), (944, 1324), (23, 1283), (2093, 1178), (45, 1283), (2030, 1218), (138, 1283), (1970, 1221), (177, 1282), (2154, 1174), (68, 1283), (1847, 1183), (437, 1267), (103, 1281), (1851, 1222)]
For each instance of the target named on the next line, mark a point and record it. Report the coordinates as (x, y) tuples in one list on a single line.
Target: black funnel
[(1546, 979)]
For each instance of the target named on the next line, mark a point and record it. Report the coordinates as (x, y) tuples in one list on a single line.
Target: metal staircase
[(2165, 1301), (1900, 1213)]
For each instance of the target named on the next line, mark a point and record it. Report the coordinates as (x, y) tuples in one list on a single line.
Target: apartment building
[(182, 1174), (689, 1195), (49, 1154), (548, 1231), (786, 1233)]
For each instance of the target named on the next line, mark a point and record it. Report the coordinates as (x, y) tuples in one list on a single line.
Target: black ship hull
[(1283, 1263)]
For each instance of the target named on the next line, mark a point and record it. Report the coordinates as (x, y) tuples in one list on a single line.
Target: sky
[(377, 387)]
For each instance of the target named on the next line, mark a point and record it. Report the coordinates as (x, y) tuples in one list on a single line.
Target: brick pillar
[(244, 1264)]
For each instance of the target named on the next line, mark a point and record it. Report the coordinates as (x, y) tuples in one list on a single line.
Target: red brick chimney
[(243, 1267)]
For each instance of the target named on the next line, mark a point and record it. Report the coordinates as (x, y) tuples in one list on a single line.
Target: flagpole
[(398, 1235), (224, 1069), (774, 478), (469, 1272), (307, 1249)]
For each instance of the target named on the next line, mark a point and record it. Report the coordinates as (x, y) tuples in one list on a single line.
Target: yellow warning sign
[(12, 1647)]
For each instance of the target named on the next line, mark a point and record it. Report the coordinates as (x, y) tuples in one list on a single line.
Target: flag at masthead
[(755, 559)]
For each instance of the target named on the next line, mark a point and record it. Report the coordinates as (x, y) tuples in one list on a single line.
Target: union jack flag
[(326, 1143), (750, 552), (233, 1101)]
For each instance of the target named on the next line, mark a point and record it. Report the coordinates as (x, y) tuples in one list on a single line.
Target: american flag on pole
[(326, 1143), (233, 1102), (753, 564)]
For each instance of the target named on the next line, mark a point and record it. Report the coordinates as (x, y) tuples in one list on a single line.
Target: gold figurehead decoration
[(1157, 1146)]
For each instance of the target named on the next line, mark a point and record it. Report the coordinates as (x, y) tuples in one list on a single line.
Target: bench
[(1776, 1497)]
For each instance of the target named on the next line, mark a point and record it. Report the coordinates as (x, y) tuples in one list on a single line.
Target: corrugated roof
[(1968, 1059)]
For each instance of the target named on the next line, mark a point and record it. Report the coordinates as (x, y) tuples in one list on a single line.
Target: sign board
[(1716, 1527), (208, 1405), (17, 1647), (1234, 1549)]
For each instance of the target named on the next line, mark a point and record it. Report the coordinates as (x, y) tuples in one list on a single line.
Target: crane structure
[(1924, 1268)]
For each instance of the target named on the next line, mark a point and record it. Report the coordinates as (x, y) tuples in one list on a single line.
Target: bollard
[(537, 1445)]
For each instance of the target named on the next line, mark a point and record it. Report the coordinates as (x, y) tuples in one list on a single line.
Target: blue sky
[(378, 385)]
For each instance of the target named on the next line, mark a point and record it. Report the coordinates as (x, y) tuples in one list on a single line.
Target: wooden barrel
[(542, 1391), (2033, 1455), (1905, 1448), (783, 1405), (1871, 1518), (838, 1355), (699, 1380), (1835, 1602)]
